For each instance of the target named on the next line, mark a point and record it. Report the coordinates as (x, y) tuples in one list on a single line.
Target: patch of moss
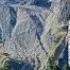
[(5, 67)]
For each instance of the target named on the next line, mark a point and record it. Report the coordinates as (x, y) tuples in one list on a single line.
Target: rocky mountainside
[(34, 31)]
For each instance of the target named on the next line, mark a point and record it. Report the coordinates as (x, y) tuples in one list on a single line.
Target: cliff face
[(34, 32)]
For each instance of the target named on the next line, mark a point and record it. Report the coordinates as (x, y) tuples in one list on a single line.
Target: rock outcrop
[(34, 32)]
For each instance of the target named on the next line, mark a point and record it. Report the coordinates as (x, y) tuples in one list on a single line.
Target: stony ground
[(33, 32)]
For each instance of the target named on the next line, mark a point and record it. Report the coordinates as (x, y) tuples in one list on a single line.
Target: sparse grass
[(58, 36), (5, 67), (4, 61)]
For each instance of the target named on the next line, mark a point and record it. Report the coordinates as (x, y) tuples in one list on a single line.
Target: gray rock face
[(32, 32)]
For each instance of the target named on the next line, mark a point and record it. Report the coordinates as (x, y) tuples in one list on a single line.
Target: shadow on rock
[(19, 65)]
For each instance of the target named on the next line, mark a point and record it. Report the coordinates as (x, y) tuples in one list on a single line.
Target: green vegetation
[(6, 66), (53, 66)]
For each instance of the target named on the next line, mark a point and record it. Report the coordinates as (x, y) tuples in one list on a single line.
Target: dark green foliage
[(6, 66), (53, 66)]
